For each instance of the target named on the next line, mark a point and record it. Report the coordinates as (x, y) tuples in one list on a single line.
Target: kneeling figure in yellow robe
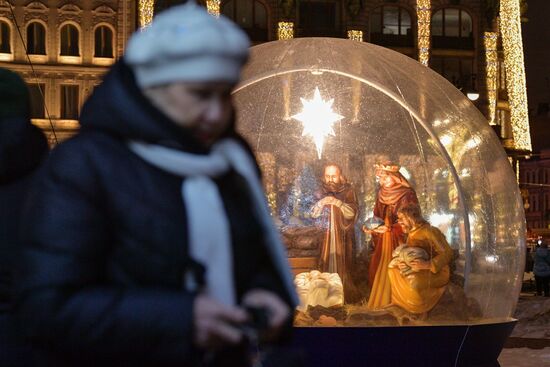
[(418, 285)]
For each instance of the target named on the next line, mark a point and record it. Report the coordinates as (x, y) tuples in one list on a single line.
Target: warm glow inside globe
[(307, 102)]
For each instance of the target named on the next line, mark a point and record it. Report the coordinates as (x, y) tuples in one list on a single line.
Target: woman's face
[(205, 108)]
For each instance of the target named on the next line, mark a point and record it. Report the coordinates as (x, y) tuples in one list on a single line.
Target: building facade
[(459, 39), (534, 180), (62, 49)]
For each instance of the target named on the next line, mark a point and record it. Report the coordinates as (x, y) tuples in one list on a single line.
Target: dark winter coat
[(22, 148), (106, 247)]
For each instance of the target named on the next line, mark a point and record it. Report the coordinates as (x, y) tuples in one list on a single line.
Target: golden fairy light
[(213, 7), (510, 27), (491, 65), (145, 12), (423, 14), (285, 30), (355, 35), (317, 118)]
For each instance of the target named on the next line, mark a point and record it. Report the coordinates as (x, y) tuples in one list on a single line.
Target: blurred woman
[(22, 149)]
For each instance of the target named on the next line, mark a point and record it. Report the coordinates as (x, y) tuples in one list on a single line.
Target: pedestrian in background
[(22, 148), (541, 269), (148, 234)]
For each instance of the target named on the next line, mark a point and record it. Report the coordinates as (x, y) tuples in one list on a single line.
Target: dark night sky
[(536, 41)]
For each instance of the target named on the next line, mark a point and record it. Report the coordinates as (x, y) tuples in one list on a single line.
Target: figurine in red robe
[(394, 193)]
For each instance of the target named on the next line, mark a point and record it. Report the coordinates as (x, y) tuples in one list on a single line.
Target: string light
[(510, 26), (146, 10), (355, 35), (423, 14), (285, 30), (491, 64), (213, 7)]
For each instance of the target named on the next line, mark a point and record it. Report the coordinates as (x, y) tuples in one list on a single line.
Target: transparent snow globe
[(308, 104)]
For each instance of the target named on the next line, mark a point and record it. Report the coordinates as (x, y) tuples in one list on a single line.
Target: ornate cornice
[(5, 11), (104, 10), (4, 6), (70, 9), (104, 14), (36, 10), (70, 12), (36, 6)]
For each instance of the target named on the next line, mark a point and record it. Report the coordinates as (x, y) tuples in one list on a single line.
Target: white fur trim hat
[(185, 43)]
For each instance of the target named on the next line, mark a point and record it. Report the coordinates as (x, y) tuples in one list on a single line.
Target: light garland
[(491, 65), (285, 30), (510, 27), (423, 14), (146, 9), (355, 35), (213, 7)]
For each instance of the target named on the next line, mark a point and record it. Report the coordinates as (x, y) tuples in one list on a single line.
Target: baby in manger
[(407, 254)]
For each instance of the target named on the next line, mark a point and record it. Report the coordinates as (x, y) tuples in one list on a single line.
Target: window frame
[(465, 81), (70, 59), (104, 60), (255, 34), (42, 91), (7, 56), (45, 41), (392, 40), (453, 42), (69, 49), (65, 116), (334, 30)]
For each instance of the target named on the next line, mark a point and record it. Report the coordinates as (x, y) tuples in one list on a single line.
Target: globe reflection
[(310, 104)]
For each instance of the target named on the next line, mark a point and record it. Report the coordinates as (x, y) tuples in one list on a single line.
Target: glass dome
[(309, 103)]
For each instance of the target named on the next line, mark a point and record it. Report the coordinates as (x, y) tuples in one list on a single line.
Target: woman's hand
[(216, 324), (278, 312)]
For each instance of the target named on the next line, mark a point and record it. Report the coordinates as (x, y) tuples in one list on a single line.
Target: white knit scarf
[(208, 225)]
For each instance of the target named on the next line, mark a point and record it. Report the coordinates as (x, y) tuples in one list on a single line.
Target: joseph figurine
[(337, 211)]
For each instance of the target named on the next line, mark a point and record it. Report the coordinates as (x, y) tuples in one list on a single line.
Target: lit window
[(391, 26), (69, 102), (69, 41), (319, 19), (5, 42), (37, 92), (36, 39), (452, 28), (251, 15), (103, 42), (458, 71)]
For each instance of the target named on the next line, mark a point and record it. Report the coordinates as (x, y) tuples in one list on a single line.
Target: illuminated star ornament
[(317, 117)]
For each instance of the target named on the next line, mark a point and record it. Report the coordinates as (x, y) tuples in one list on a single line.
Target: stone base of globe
[(412, 346)]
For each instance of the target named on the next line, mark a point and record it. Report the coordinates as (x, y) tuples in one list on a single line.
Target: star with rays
[(317, 118)]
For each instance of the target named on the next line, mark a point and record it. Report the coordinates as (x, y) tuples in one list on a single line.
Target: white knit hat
[(185, 43)]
